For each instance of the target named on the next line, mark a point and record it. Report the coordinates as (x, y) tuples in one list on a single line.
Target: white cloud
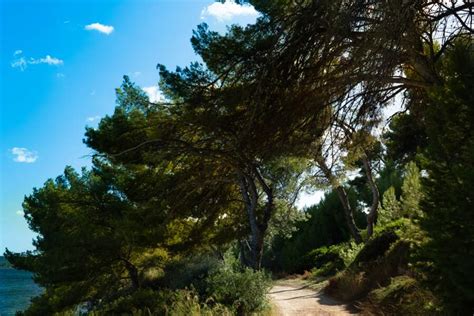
[(228, 10), (22, 63), (20, 213), (46, 60), (154, 93), (106, 29), (24, 155), (19, 63), (93, 118)]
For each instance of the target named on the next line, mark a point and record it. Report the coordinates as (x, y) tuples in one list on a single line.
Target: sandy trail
[(294, 298)]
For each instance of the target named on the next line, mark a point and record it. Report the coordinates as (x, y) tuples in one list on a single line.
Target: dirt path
[(292, 297)]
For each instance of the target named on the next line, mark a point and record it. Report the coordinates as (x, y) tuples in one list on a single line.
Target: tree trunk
[(375, 197), (349, 213), (257, 230), (257, 250), (132, 273), (372, 215), (344, 198), (243, 248)]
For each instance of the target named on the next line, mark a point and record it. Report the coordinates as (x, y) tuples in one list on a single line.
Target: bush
[(191, 271), (186, 302), (163, 302), (382, 258), (325, 260), (243, 289), (330, 260), (225, 288), (348, 251), (143, 299), (375, 248), (403, 296)]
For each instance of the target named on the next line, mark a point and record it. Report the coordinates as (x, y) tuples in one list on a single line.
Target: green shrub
[(140, 300), (347, 251), (243, 289), (186, 302), (375, 248), (403, 296), (379, 260), (325, 260), (190, 271), (163, 302), (224, 288)]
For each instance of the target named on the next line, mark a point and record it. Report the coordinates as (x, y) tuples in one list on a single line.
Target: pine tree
[(411, 191), (391, 209), (449, 199)]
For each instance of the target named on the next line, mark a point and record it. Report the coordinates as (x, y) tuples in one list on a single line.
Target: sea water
[(16, 290)]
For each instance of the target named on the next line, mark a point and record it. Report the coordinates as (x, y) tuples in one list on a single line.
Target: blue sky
[(60, 64)]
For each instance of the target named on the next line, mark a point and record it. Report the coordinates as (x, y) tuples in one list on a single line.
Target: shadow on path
[(296, 298), (301, 288)]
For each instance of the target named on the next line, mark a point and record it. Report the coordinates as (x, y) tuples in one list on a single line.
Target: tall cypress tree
[(449, 199)]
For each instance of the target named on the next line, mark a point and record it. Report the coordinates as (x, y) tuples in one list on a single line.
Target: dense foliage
[(449, 155), (324, 227)]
